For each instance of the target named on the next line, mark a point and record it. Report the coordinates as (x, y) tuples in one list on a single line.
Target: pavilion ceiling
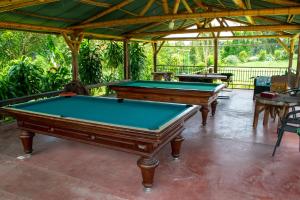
[(150, 20)]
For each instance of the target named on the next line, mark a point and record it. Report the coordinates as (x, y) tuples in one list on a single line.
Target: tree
[(193, 56), (90, 67), (137, 60)]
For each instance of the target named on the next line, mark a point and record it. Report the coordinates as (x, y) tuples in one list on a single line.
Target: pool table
[(203, 94), (140, 127)]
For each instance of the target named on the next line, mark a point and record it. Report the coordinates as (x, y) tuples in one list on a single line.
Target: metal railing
[(242, 76), (179, 69)]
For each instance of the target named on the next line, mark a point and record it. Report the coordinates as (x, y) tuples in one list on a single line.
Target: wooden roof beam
[(44, 29), (286, 48), (241, 4), (188, 8), (290, 18), (283, 2), (213, 14), (176, 6), (165, 6), (8, 5), (200, 4), (107, 11), (146, 8), (220, 29), (96, 3), (223, 38)]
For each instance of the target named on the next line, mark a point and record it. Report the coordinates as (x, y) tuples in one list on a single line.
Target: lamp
[(171, 25)]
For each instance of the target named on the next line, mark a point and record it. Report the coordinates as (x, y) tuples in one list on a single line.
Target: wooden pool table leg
[(26, 138), (213, 107), (204, 110), (147, 165), (176, 146)]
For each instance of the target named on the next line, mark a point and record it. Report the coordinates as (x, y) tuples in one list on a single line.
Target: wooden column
[(215, 55), (291, 55), (298, 66), (154, 45), (74, 41), (126, 60)]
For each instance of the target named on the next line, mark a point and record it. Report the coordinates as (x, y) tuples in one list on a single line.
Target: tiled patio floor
[(227, 159)]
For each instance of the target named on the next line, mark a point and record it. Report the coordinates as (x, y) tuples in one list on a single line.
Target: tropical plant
[(56, 77), (280, 54), (6, 90), (25, 77), (137, 60), (243, 56), (262, 55), (193, 56), (90, 67)]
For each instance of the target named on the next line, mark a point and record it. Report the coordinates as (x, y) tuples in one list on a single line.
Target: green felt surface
[(149, 115), (171, 85)]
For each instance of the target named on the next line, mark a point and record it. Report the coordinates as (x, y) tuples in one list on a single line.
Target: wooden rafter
[(220, 29), (200, 4), (8, 5), (101, 4), (188, 8), (241, 4), (107, 11), (165, 6), (146, 8), (227, 25), (283, 2), (286, 48), (45, 17), (144, 28), (160, 46), (213, 14), (176, 6), (223, 38), (96, 3), (290, 18), (45, 29)]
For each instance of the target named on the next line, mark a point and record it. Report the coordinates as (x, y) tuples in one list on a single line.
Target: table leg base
[(147, 166)]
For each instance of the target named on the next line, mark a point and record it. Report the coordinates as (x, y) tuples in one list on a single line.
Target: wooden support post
[(215, 55), (297, 85), (126, 60), (74, 41), (154, 56), (291, 55)]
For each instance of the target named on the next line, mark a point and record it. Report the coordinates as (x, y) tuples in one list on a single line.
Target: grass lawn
[(280, 63)]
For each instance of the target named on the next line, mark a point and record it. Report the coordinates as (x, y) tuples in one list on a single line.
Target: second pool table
[(203, 94)]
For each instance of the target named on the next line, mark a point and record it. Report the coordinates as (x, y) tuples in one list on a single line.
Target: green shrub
[(280, 55), (243, 56), (5, 88), (56, 78), (210, 60), (232, 59), (137, 60), (262, 55), (90, 67), (269, 57), (25, 77)]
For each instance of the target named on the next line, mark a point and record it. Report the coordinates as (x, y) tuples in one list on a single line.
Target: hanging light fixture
[(171, 24)]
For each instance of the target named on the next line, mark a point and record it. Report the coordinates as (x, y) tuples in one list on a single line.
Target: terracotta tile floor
[(225, 160)]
